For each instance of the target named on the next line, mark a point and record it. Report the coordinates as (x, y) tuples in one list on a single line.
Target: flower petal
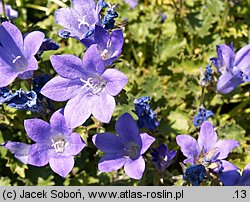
[(26, 75), (76, 144), (7, 75), (37, 129), (127, 129), (11, 38), (225, 146), (62, 165), (78, 110), (189, 146), (135, 168), (61, 89), (230, 175), (111, 162), (32, 43), (38, 155), (85, 8), (108, 143), (116, 81), (58, 123), (101, 37), (245, 178), (147, 140), (228, 81), (68, 18), (67, 66), (92, 61), (228, 55), (242, 58), (207, 137), (117, 41), (19, 149), (103, 107)]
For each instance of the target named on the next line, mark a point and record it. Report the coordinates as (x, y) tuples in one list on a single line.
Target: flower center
[(133, 151), (59, 145), (206, 159), (94, 85)]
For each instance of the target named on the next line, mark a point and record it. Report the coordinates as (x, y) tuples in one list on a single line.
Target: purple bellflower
[(233, 67), (109, 46), (89, 88), (162, 158), (124, 149), (131, 3), (11, 13), (202, 116), (147, 117), (207, 150), (79, 21), (55, 144), (17, 54)]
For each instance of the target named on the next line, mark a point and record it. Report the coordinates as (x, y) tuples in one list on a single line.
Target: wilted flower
[(17, 54), (147, 117), (207, 77), (48, 44), (79, 21), (109, 46), (10, 13), (108, 21), (21, 100), (162, 158), (202, 116), (124, 149), (207, 150), (195, 174), (234, 68), (89, 88)]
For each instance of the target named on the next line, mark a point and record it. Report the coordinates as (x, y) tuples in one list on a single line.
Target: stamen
[(82, 22), (95, 85), (104, 54), (16, 58), (59, 145)]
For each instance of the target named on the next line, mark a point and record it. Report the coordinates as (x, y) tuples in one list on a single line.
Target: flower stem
[(202, 96), (4, 11)]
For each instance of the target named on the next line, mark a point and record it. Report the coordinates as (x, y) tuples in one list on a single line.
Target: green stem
[(4, 11), (202, 96)]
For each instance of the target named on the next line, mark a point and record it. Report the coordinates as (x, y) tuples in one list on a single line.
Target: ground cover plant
[(124, 92)]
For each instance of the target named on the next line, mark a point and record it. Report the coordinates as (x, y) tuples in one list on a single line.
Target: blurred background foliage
[(167, 43)]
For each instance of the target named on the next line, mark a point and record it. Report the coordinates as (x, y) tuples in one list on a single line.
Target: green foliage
[(162, 60)]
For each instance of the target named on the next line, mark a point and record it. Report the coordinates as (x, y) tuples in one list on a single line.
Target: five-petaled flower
[(55, 144), (17, 54), (79, 21), (233, 68), (124, 149), (87, 85), (109, 46), (207, 150), (162, 158)]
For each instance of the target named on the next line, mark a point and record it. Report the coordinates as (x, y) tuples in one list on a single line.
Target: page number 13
[(240, 194)]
